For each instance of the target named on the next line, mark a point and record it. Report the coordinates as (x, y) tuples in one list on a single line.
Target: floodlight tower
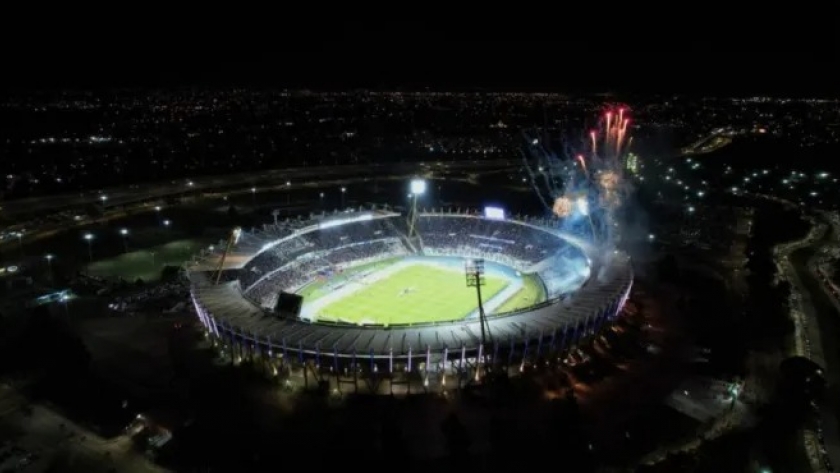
[(474, 272), (418, 187), (234, 239)]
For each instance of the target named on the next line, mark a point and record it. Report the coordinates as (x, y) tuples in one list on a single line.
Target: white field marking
[(499, 299)]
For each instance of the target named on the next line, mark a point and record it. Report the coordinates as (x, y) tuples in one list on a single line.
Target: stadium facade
[(287, 254)]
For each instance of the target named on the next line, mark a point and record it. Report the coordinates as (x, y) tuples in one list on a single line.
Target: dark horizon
[(365, 61)]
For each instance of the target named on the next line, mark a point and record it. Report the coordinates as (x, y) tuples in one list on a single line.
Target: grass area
[(531, 293), (314, 290), (415, 294), (146, 264)]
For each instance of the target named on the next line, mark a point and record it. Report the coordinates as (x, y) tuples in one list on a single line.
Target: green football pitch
[(415, 294)]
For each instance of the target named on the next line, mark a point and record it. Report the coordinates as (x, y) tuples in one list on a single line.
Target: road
[(823, 321), (151, 191)]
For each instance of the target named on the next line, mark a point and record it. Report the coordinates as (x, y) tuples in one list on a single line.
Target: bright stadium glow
[(583, 206), (408, 289), (418, 187), (494, 213)]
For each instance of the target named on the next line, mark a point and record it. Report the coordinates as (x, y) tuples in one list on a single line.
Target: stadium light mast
[(234, 239), (418, 187), (474, 272)]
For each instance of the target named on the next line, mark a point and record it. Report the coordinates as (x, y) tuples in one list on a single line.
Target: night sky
[(415, 56)]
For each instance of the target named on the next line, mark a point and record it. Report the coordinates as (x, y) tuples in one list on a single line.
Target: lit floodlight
[(494, 213), (418, 187), (583, 205)]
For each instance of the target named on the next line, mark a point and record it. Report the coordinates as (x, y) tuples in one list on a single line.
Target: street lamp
[(167, 223), (343, 191), (418, 187), (254, 195), (19, 236), (89, 239), (49, 257), (124, 234), (288, 192)]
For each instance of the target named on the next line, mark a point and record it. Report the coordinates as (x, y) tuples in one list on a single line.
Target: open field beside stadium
[(418, 293), (145, 264)]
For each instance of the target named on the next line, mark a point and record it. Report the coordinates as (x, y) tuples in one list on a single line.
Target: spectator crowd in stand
[(517, 243), (321, 264)]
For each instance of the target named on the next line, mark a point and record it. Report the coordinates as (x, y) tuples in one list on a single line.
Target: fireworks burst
[(589, 173), (563, 207)]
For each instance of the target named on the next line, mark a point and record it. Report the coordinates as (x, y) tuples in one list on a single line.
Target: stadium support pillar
[(462, 367), (479, 361), (510, 355), (373, 378), (426, 368), (443, 368), (354, 366), (241, 346)]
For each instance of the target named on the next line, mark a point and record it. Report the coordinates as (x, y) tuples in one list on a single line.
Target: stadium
[(379, 300)]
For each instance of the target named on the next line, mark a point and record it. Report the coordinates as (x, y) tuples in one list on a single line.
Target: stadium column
[(426, 368), (462, 364), (443, 367)]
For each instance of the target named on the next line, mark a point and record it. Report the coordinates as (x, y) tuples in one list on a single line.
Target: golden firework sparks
[(563, 206)]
